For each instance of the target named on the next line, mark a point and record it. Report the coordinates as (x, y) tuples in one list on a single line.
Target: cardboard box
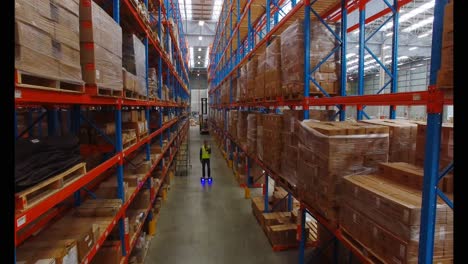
[(64, 251), (109, 253)]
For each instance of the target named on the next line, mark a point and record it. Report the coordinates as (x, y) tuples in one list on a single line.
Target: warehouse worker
[(205, 153)]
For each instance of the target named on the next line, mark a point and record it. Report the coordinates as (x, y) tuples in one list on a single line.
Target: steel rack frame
[(227, 56), (39, 215)]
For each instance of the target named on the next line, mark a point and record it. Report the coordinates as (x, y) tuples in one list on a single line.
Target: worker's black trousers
[(206, 162)]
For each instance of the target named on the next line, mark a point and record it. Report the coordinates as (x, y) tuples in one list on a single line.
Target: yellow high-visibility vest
[(205, 154)]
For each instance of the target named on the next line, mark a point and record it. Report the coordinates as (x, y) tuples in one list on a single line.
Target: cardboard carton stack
[(290, 133), (252, 133), (234, 89), (259, 136), (101, 47), (259, 91), (242, 128), (446, 150), (383, 212), (232, 125), (402, 139), (153, 83), (47, 39), (252, 66), (322, 43), (328, 151), (134, 61), (273, 69), (243, 84), (272, 127), (445, 74)]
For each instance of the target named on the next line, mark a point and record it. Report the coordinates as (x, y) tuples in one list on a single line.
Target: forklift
[(203, 116)]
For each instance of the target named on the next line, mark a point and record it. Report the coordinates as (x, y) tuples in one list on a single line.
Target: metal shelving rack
[(176, 79), (247, 26)]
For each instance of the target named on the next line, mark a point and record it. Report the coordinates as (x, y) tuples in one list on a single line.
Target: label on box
[(21, 221), (98, 74), (18, 94), (442, 233)]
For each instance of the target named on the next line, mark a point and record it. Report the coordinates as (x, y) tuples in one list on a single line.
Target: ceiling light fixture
[(421, 23), (413, 48), (199, 57), (423, 35), (386, 47), (410, 14), (199, 49), (350, 55), (201, 23), (200, 38)]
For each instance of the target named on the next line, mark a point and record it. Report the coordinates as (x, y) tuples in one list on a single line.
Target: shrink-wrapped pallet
[(252, 133), (260, 136), (272, 142), (242, 128), (273, 69), (251, 77), (328, 151), (292, 58), (259, 91), (243, 83)]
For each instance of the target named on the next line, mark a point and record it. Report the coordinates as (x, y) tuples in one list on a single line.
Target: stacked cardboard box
[(235, 89), (251, 133), (322, 43), (259, 91), (110, 252), (384, 213), (243, 84), (328, 151), (402, 139), (445, 74), (259, 147), (446, 149), (134, 61), (273, 69), (290, 139), (233, 119), (242, 128), (47, 39), (101, 47), (272, 127), (153, 83), (252, 66)]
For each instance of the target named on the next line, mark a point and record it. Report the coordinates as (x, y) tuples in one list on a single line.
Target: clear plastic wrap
[(375, 207), (243, 83), (252, 133), (259, 91), (251, 75), (272, 127), (292, 62), (259, 136), (328, 151), (402, 139), (273, 69), (133, 55), (242, 127)]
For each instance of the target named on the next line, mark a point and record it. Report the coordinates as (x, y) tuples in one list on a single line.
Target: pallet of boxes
[(272, 126), (47, 45), (322, 42), (101, 50), (134, 67), (445, 73)]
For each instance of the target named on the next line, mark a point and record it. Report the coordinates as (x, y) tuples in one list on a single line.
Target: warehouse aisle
[(210, 224)]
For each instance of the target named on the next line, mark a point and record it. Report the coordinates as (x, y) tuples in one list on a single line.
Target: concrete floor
[(210, 224)]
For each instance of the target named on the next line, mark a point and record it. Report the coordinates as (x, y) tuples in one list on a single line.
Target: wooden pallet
[(102, 91), (36, 81), (143, 135), (129, 143), (34, 195)]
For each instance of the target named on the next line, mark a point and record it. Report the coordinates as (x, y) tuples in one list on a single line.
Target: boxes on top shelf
[(252, 66), (101, 47), (273, 69), (445, 74), (47, 39)]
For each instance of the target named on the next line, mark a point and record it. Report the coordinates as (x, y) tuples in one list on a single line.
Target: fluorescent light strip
[(413, 48), (421, 23), (424, 35), (207, 57)]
